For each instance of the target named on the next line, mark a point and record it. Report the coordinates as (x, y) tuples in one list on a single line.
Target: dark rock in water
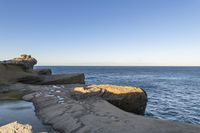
[(53, 79), (26, 61), (64, 79), (20, 70), (130, 99), (10, 73), (43, 71)]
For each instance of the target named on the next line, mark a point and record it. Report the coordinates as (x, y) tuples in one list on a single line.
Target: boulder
[(16, 127), (130, 99)]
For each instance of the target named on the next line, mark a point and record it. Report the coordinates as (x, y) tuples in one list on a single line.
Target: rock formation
[(15, 127), (71, 112), (20, 70), (130, 99), (26, 61)]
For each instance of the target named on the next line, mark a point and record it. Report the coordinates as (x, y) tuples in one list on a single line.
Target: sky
[(102, 32)]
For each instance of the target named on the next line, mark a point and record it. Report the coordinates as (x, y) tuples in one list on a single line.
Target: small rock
[(29, 97)]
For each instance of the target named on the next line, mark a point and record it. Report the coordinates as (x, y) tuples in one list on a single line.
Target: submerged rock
[(16, 127)]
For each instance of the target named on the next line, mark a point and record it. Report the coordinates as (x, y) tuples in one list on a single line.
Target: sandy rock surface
[(16, 127)]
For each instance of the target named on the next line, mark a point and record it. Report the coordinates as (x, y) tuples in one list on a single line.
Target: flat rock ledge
[(16, 127), (83, 109)]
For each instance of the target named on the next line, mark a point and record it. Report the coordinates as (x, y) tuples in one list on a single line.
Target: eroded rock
[(130, 99)]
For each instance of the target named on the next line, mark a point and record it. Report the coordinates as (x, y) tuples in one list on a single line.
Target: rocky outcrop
[(20, 70), (26, 61), (130, 99), (15, 127), (69, 112)]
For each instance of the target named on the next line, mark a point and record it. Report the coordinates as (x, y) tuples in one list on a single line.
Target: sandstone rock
[(130, 99), (15, 127), (24, 60)]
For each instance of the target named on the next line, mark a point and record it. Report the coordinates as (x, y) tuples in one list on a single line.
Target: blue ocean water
[(173, 92)]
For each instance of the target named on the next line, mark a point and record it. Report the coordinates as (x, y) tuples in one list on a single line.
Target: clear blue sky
[(102, 32)]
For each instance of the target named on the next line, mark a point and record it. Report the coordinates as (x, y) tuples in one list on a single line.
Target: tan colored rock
[(15, 127), (130, 99)]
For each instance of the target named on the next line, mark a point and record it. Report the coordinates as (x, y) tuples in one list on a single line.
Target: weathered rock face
[(24, 60), (15, 127), (20, 70), (130, 99)]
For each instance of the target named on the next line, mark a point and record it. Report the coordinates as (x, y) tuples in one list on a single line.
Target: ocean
[(173, 92)]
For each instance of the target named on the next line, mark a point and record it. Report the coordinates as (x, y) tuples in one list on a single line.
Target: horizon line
[(121, 65)]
